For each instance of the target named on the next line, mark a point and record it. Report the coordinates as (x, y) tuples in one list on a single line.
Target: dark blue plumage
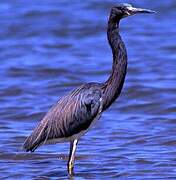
[(73, 114)]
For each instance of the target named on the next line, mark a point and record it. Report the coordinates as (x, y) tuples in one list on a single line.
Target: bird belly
[(81, 133), (73, 137)]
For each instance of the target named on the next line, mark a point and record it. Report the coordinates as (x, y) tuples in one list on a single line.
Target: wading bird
[(75, 113)]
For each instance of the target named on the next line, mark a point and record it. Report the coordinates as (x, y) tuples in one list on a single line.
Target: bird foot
[(70, 169)]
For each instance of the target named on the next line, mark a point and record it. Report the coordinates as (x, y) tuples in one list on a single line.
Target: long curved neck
[(113, 86)]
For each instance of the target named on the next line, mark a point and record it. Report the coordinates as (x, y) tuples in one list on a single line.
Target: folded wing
[(71, 115)]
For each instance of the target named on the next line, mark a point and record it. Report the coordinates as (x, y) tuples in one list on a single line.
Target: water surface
[(51, 47)]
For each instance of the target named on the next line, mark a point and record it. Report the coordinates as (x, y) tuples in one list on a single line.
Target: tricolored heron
[(75, 113)]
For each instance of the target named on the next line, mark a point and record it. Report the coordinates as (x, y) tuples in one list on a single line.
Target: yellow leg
[(70, 164)]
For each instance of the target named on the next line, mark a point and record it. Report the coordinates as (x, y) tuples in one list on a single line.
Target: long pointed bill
[(133, 10)]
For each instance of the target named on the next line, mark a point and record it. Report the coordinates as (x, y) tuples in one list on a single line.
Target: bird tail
[(38, 137)]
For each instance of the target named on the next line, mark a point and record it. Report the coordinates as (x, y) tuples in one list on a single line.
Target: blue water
[(48, 48)]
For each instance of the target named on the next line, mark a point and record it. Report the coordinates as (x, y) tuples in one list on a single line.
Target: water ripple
[(51, 47)]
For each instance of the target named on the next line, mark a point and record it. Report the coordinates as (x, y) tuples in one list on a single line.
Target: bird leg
[(70, 164)]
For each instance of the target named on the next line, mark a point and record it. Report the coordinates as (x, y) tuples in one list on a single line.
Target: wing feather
[(71, 115)]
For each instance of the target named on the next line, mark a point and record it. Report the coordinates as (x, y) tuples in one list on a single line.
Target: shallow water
[(51, 47)]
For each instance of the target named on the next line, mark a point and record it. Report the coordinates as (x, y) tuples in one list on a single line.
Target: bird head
[(124, 10)]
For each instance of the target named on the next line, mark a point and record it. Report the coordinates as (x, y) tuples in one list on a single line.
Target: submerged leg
[(70, 164)]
